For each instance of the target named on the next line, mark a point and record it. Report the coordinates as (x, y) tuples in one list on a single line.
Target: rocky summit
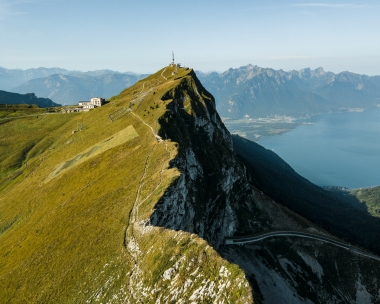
[(144, 200)]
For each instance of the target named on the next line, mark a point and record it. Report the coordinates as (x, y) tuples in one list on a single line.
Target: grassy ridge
[(63, 241)]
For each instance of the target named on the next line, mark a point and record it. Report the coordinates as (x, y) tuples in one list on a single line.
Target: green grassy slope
[(25, 138), (82, 236), (371, 198), (11, 111)]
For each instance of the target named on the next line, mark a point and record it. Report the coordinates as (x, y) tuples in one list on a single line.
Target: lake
[(338, 149)]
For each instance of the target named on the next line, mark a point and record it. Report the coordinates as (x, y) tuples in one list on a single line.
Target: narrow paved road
[(265, 235)]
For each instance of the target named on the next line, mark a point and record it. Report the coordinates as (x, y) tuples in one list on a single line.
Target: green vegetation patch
[(9, 111), (257, 128), (119, 138), (69, 240), (371, 198), (184, 268), (24, 138)]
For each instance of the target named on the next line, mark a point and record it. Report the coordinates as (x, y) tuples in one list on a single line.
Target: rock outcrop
[(213, 198)]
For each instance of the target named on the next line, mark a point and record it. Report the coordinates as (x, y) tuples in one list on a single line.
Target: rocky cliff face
[(143, 205), (211, 196), (86, 232), (213, 199)]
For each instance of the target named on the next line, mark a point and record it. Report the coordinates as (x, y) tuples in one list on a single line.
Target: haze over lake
[(339, 149)]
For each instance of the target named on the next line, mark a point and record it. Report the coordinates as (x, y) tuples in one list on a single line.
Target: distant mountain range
[(66, 87), (11, 78), (259, 92), (248, 90), (30, 98), (69, 89)]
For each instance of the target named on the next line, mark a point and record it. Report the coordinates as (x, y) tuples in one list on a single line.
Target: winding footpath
[(251, 239), (155, 134), (131, 234), (130, 237), (162, 74)]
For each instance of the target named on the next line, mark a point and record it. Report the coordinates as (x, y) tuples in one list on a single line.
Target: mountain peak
[(135, 201), (320, 71)]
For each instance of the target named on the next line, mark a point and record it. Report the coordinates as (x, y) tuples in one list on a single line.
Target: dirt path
[(159, 139), (163, 75), (166, 163), (130, 239)]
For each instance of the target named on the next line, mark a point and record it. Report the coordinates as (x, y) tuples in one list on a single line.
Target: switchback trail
[(163, 75), (265, 235)]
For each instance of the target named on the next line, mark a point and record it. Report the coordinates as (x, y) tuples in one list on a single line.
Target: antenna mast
[(172, 58)]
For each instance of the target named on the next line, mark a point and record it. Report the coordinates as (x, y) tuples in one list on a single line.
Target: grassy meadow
[(64, 237)]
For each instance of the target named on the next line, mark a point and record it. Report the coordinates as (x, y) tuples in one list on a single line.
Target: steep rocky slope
[(219, 203), (335, 211), (132, 202), (74, 219)]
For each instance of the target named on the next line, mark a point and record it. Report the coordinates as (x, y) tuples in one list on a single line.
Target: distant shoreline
[(275, 124)]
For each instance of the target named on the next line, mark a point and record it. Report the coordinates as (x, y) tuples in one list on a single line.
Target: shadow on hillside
[(197, 203), (336, 211)]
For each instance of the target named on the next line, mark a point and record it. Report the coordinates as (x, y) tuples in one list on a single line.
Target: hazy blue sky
[(129, 35)]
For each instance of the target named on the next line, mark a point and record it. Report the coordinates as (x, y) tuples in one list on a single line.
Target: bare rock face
[(213, 199), (211, 196), (105, 241)]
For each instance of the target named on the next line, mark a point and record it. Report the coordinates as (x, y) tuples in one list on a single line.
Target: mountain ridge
[(72, 88), (259, 92), (248, 90), (29, 98), (145, 219), (10, 78), (92, 241)]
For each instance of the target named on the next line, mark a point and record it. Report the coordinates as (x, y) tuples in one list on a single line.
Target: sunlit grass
[(62, 238)]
